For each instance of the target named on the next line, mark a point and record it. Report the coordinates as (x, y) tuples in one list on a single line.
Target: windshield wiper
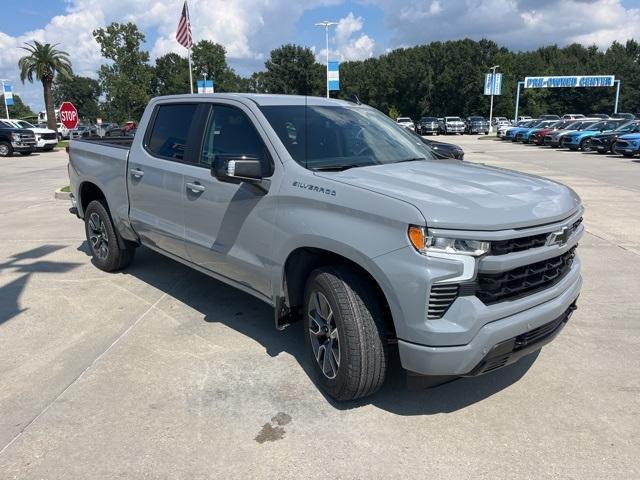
[(409, 160), (336, 168)]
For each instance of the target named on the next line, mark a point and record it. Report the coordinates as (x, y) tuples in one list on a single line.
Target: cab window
[(229, 131)]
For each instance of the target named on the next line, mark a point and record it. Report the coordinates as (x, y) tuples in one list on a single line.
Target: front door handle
[(195, 187), (136, 172)]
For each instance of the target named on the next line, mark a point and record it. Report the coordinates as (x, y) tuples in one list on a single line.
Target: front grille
[(503, 247), (48, 136), (528, 279), (440, 299)]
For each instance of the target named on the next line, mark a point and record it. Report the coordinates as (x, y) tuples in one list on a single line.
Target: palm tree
[(42, 63)]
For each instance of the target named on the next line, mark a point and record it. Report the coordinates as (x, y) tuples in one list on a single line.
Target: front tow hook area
[(512, 350)]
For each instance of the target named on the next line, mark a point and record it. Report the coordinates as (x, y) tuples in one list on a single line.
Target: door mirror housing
[(237, 168)]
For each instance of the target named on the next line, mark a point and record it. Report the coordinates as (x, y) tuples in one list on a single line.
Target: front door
[(155, 179), (229, 227)]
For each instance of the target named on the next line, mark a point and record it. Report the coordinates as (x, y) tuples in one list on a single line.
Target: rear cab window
[(169, 131)]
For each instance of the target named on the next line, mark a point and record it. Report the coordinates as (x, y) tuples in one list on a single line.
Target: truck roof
[(262, 99)]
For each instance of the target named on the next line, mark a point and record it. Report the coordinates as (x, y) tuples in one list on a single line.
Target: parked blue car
[(627, 145), (512, 132), (525, 136), (581, 140)]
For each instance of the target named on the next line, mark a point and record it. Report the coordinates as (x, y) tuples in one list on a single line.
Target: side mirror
[(237, 168)]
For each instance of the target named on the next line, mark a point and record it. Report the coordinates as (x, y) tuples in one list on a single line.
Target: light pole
[(326, 24), (492, 85)]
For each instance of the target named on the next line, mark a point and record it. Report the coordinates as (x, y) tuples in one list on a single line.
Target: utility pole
[(326, 24), (493, 87)]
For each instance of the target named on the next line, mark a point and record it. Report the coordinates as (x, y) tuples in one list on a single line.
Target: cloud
[(517, 24), (348, 42), (249, 29)]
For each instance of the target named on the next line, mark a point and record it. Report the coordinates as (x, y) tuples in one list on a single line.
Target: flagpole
[(190, 45), (190, 72)]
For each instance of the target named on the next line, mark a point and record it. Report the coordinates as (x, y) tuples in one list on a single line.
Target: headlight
[(38, 137), (425, 243), (15, 137)]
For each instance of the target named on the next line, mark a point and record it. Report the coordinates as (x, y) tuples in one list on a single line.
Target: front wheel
[(101, 235), (5, 149), (585, 145), (345, 333), (24, 154)]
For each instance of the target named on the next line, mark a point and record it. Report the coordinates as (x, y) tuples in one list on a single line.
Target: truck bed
[(118, 142)]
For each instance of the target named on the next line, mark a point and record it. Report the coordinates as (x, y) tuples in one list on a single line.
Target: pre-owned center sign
[(570, 81)]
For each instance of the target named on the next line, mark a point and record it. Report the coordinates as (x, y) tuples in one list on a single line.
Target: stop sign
[(68, 115)]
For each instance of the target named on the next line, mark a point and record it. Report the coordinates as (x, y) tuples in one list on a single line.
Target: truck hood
[(457, 195), (40, 131)]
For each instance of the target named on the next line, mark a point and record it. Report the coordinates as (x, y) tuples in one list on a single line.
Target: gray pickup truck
[(338, 217)]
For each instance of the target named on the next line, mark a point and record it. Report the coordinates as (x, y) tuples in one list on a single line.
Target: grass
[(62, 143), (65, 189)]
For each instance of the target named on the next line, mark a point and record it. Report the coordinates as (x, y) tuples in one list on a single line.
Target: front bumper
[(493, 340), (23, 146)]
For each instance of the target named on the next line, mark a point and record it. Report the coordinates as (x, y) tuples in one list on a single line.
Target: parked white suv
[(45, 138), (406, 122)]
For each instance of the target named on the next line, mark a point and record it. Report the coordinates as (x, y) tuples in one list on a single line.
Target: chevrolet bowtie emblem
[(560, 237)]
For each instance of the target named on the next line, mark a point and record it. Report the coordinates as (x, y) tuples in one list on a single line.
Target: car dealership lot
[(162, 372)]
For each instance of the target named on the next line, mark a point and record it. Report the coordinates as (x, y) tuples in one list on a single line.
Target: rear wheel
[(6, 150), (344, 332), (103, 242)]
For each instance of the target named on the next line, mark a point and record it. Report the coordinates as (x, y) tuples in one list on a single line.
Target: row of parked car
[(446, 125), (20, 136), (620, 136)]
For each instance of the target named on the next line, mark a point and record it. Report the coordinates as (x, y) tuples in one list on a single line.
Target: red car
[(538, 137)]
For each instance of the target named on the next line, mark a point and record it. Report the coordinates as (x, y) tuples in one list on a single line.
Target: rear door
[(229, 227), (155, 177)]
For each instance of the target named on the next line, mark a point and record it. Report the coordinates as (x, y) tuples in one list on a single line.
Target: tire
[(6, 150), (628, 155), (359, 367), (486, 133), (25, 154), (47, 148), (103, 242), (585, 145)]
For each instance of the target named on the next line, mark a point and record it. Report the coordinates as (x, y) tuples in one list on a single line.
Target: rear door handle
[(195, 187), (136, 172)]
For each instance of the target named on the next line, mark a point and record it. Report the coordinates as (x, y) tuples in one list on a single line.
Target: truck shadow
[(402, 394), (26, 264)]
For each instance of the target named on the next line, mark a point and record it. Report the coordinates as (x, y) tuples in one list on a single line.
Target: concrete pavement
[(162, 372)]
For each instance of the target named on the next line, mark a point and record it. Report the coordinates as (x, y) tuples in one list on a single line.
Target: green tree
[(18, 110), (210, 59), (126, 80), (83, 92), (42, 63), (293, 70), (171, 75)]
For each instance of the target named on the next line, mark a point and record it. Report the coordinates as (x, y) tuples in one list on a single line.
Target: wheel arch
[(301, 261)]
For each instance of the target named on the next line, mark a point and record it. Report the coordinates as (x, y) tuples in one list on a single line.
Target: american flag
[(183, 35)]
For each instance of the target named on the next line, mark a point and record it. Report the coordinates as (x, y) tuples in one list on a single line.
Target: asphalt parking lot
[(162, 372)]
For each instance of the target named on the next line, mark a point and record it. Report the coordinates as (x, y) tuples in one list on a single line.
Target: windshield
[(403, 119), (608, 125), (429, 119), (453, 119), (24, 124), (476, 119), (342, 137), (632, 127)]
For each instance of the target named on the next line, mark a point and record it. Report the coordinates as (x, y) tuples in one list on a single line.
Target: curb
[(60, 195)]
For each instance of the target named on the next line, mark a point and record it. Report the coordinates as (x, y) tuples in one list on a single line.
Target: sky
[(250, 29)]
